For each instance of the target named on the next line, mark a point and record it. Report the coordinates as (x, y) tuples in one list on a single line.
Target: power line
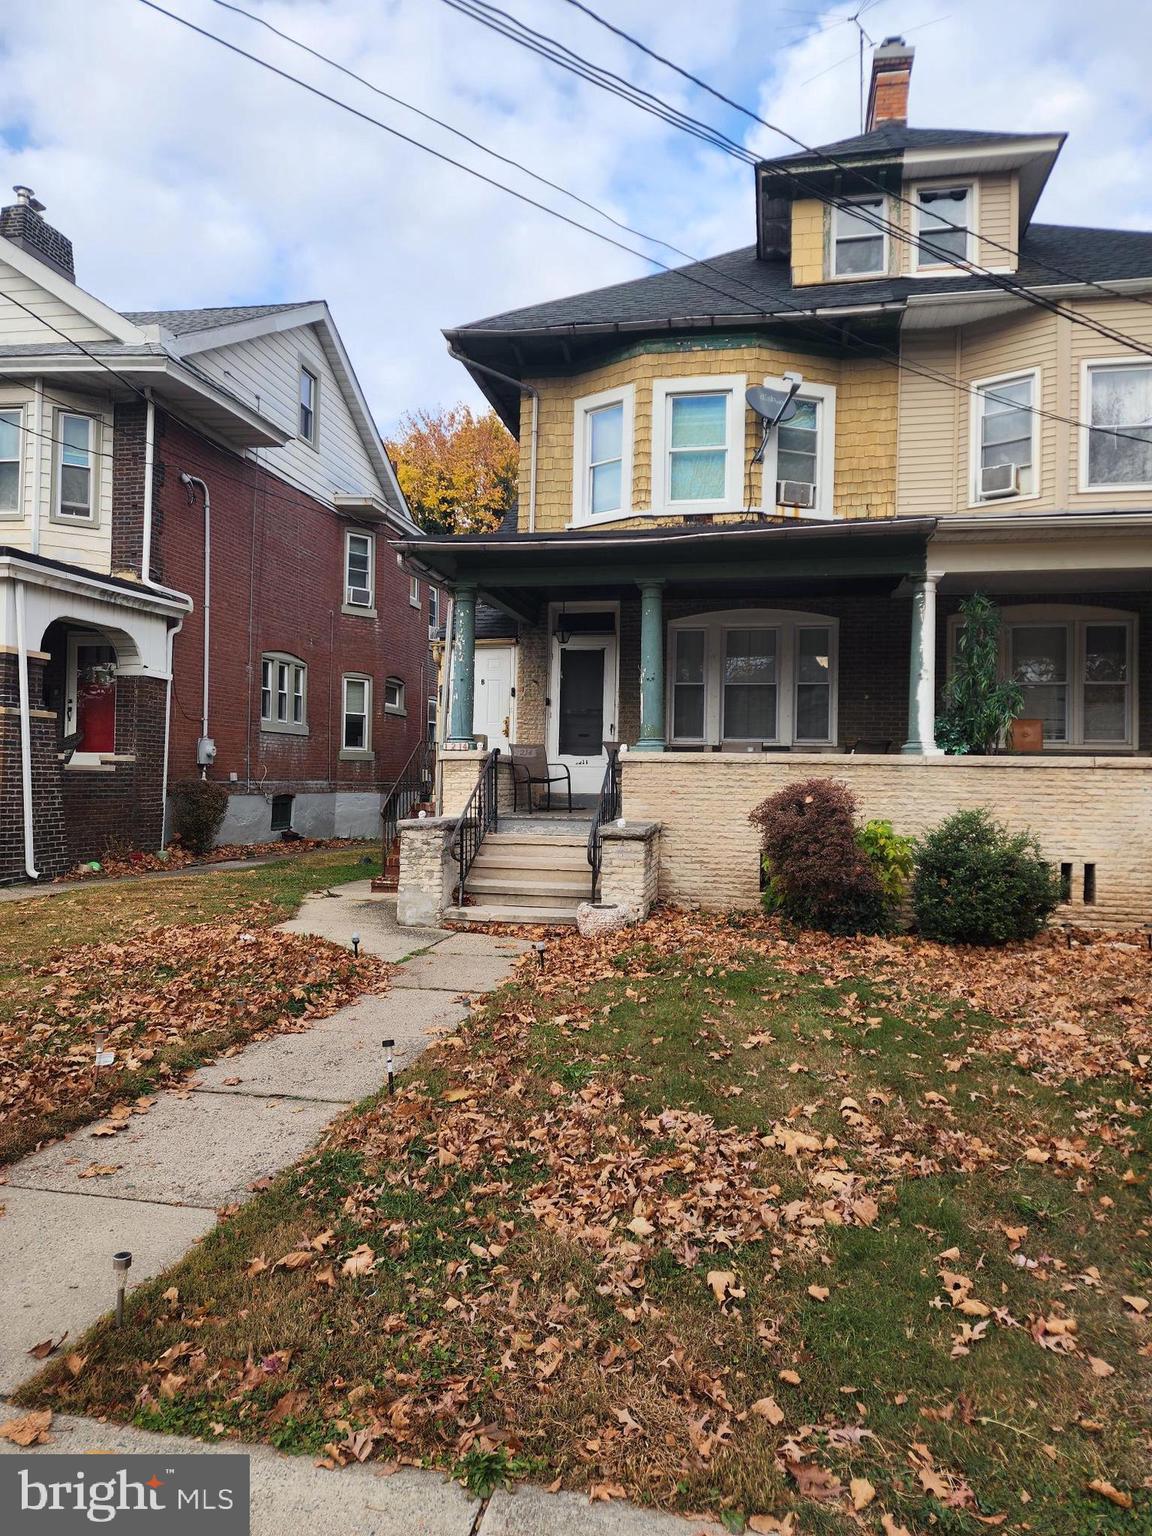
[(842, 338)]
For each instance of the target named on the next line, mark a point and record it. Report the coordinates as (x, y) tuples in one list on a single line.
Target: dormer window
[(943, 220), (859, 243)]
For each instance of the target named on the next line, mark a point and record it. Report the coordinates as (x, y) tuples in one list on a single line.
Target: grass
[(693, 1170), (153, 964)]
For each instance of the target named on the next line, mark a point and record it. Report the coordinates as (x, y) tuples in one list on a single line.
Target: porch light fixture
[(563, 633), (121, 1264)]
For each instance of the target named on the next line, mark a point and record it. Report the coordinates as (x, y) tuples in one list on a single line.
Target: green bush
[(892, 856), (198, 808), (978, 883)]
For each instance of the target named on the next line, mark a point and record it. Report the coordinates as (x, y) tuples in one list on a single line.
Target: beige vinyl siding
[(865, 450), (20, 329), (926, 472), (997, 221), (264, 372)]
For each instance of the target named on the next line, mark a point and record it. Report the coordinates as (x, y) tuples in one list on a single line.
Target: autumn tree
[(457, 469)]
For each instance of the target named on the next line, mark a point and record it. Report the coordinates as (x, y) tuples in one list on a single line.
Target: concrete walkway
[(239, 1120)]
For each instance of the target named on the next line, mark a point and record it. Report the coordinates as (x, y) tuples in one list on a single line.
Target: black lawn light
[(388, 1044), (121, 1264), (541, 948)]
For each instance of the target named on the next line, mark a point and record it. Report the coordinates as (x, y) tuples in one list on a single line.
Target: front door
[(493, 705), (583, 714)]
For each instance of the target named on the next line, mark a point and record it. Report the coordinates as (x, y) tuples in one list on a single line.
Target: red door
[(96, 698)]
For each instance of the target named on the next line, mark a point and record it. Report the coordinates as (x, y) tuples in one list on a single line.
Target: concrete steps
[(551, 916), (531, 871)]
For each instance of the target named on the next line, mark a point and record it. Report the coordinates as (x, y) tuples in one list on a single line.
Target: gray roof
[(737, 285), (182, 322), (895, 137)]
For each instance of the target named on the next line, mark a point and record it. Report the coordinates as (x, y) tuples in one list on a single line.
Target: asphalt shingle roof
[(895, 137), (182, 322), (748, 286)]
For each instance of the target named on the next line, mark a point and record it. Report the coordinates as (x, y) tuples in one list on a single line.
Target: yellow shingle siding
[(866, 394), (809, 225)]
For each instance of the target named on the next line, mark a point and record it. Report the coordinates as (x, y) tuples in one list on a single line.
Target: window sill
[(353, 755), (992, 502), (400, 714), (277, 728), (355, 611)]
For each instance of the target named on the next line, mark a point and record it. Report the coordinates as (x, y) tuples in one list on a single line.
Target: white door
[(492, 713), (583, 713)]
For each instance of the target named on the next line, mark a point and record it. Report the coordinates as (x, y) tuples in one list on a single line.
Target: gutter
[(40, 437), (149, 471), (25, 735), (172, 633), (528, 389)]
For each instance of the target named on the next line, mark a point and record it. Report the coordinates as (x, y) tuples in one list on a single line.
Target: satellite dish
[(774, 405)]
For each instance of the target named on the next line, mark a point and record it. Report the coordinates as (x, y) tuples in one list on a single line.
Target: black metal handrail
[(607, 809), (414, 783), (480, 816)]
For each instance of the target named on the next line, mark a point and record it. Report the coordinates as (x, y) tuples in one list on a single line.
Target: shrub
[(818, 874), (198, 808), (978, 707), (978, 883), (891, 855)]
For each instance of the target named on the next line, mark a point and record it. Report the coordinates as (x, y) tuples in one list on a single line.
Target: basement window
[(282, 813)]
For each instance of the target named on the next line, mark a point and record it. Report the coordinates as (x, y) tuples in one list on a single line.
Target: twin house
[(739, 601), (198, 571)]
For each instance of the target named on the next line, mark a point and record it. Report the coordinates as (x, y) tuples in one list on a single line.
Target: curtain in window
[(938, 213), (1121, 404), (750, 684), (1040, 666), (1106, 680)]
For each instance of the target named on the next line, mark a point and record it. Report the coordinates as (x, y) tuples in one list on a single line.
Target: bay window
[(283, 694), (859, 242), (602, 455), (11, 452), (1118, 450), (1004, 437), (943, 221), (698, 444), (74, 484), (762, 676)]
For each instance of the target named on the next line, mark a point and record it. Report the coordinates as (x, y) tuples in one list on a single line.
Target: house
[(957, 401), (198, 571)]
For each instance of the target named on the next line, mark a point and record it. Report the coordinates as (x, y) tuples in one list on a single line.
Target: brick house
[(197, 570), (755, 490)]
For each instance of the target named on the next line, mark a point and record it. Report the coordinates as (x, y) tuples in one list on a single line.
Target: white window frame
[(581, 442), (400, 706), (358, 754), (824, 397), (368, 609), (433, 608), (297, 687), (92, 517), (414, 591), (663, 391), (17, 513), (308, 369), (836, 240), (933, 266), (432, 718), (975, 423), (1087, 367), (788, 623), (1076, 619)]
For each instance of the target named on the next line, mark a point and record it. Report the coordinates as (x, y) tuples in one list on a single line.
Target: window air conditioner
[(795, 493), (359, 597), (999, 480)]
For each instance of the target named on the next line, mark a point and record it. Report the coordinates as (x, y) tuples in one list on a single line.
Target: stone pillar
[(922, 669), (427, 871), (630, 866), (463, 668), (651, 667)]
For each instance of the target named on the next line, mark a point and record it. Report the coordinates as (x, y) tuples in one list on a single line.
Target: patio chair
[(878, 746), (531, 768)]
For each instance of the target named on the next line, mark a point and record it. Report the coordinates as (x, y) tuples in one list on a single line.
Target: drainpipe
[(190, 481), (172, 633), (149, 474), (41, 436), (25, 733), (506, 378)]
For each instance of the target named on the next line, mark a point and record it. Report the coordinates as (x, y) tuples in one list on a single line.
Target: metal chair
[(531, 768), (878, 746)]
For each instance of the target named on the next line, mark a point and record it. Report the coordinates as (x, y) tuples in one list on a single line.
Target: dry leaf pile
[(117, 865)]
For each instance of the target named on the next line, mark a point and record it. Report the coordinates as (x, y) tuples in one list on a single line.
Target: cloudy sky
[(187, 176)]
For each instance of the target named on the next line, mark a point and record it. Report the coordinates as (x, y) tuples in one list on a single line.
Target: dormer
[(901, 202)]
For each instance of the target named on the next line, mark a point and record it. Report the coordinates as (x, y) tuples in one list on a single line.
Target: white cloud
[(186, 176)]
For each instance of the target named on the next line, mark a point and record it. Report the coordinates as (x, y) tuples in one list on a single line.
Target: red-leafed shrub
[(818, 876)]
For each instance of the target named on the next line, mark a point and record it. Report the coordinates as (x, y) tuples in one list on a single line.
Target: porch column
[(462, 676), (651, 667), (922, 669)]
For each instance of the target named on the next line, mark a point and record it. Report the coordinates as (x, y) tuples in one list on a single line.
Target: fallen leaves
[(726, 1288), (1114, 1495), (29, 1429)]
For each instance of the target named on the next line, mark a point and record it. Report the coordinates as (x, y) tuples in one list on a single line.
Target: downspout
[(25, 734), (172, 633), (528, 389), (40, 438), (149, 475), (190, 481)]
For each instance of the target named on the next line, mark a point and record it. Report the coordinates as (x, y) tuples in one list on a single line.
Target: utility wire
[(842, 337)]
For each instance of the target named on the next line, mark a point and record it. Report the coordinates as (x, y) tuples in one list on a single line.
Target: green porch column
[(922, 669), (651, 667), (463, 669)]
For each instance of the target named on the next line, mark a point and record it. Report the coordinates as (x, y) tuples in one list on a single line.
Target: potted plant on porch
[(978, 705)]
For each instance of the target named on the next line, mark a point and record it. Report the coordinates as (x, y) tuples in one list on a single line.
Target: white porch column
[(922, 668)]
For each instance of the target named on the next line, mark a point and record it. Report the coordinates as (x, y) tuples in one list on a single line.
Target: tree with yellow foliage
[(457, 469)]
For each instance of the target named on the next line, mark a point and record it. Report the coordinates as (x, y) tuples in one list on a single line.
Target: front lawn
[(816, 1235), (166, 973)]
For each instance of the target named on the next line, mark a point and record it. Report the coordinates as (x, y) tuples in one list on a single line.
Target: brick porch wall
[(119, 808), (50, 848)]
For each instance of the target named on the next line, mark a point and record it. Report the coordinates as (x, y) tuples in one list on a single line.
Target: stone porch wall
[(1084, 810)]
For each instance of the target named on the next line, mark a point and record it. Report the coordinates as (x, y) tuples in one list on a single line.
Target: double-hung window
[(688, 684), (309, 402), (394, 696), (283, 694), (1076, 677), (859, 241), (698, 444), (1119, 439), (800, 458), (602, 455), (11, 450), (749, 708), (74, 477), (943, 222), (359, 561), (1005, 437), (357, 732)]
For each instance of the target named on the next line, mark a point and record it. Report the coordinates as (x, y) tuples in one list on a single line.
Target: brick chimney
[(21, 223), (891, 77)]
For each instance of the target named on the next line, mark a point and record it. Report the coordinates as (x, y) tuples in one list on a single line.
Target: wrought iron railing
[(480, 816), (607, 809), (414, 783)]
